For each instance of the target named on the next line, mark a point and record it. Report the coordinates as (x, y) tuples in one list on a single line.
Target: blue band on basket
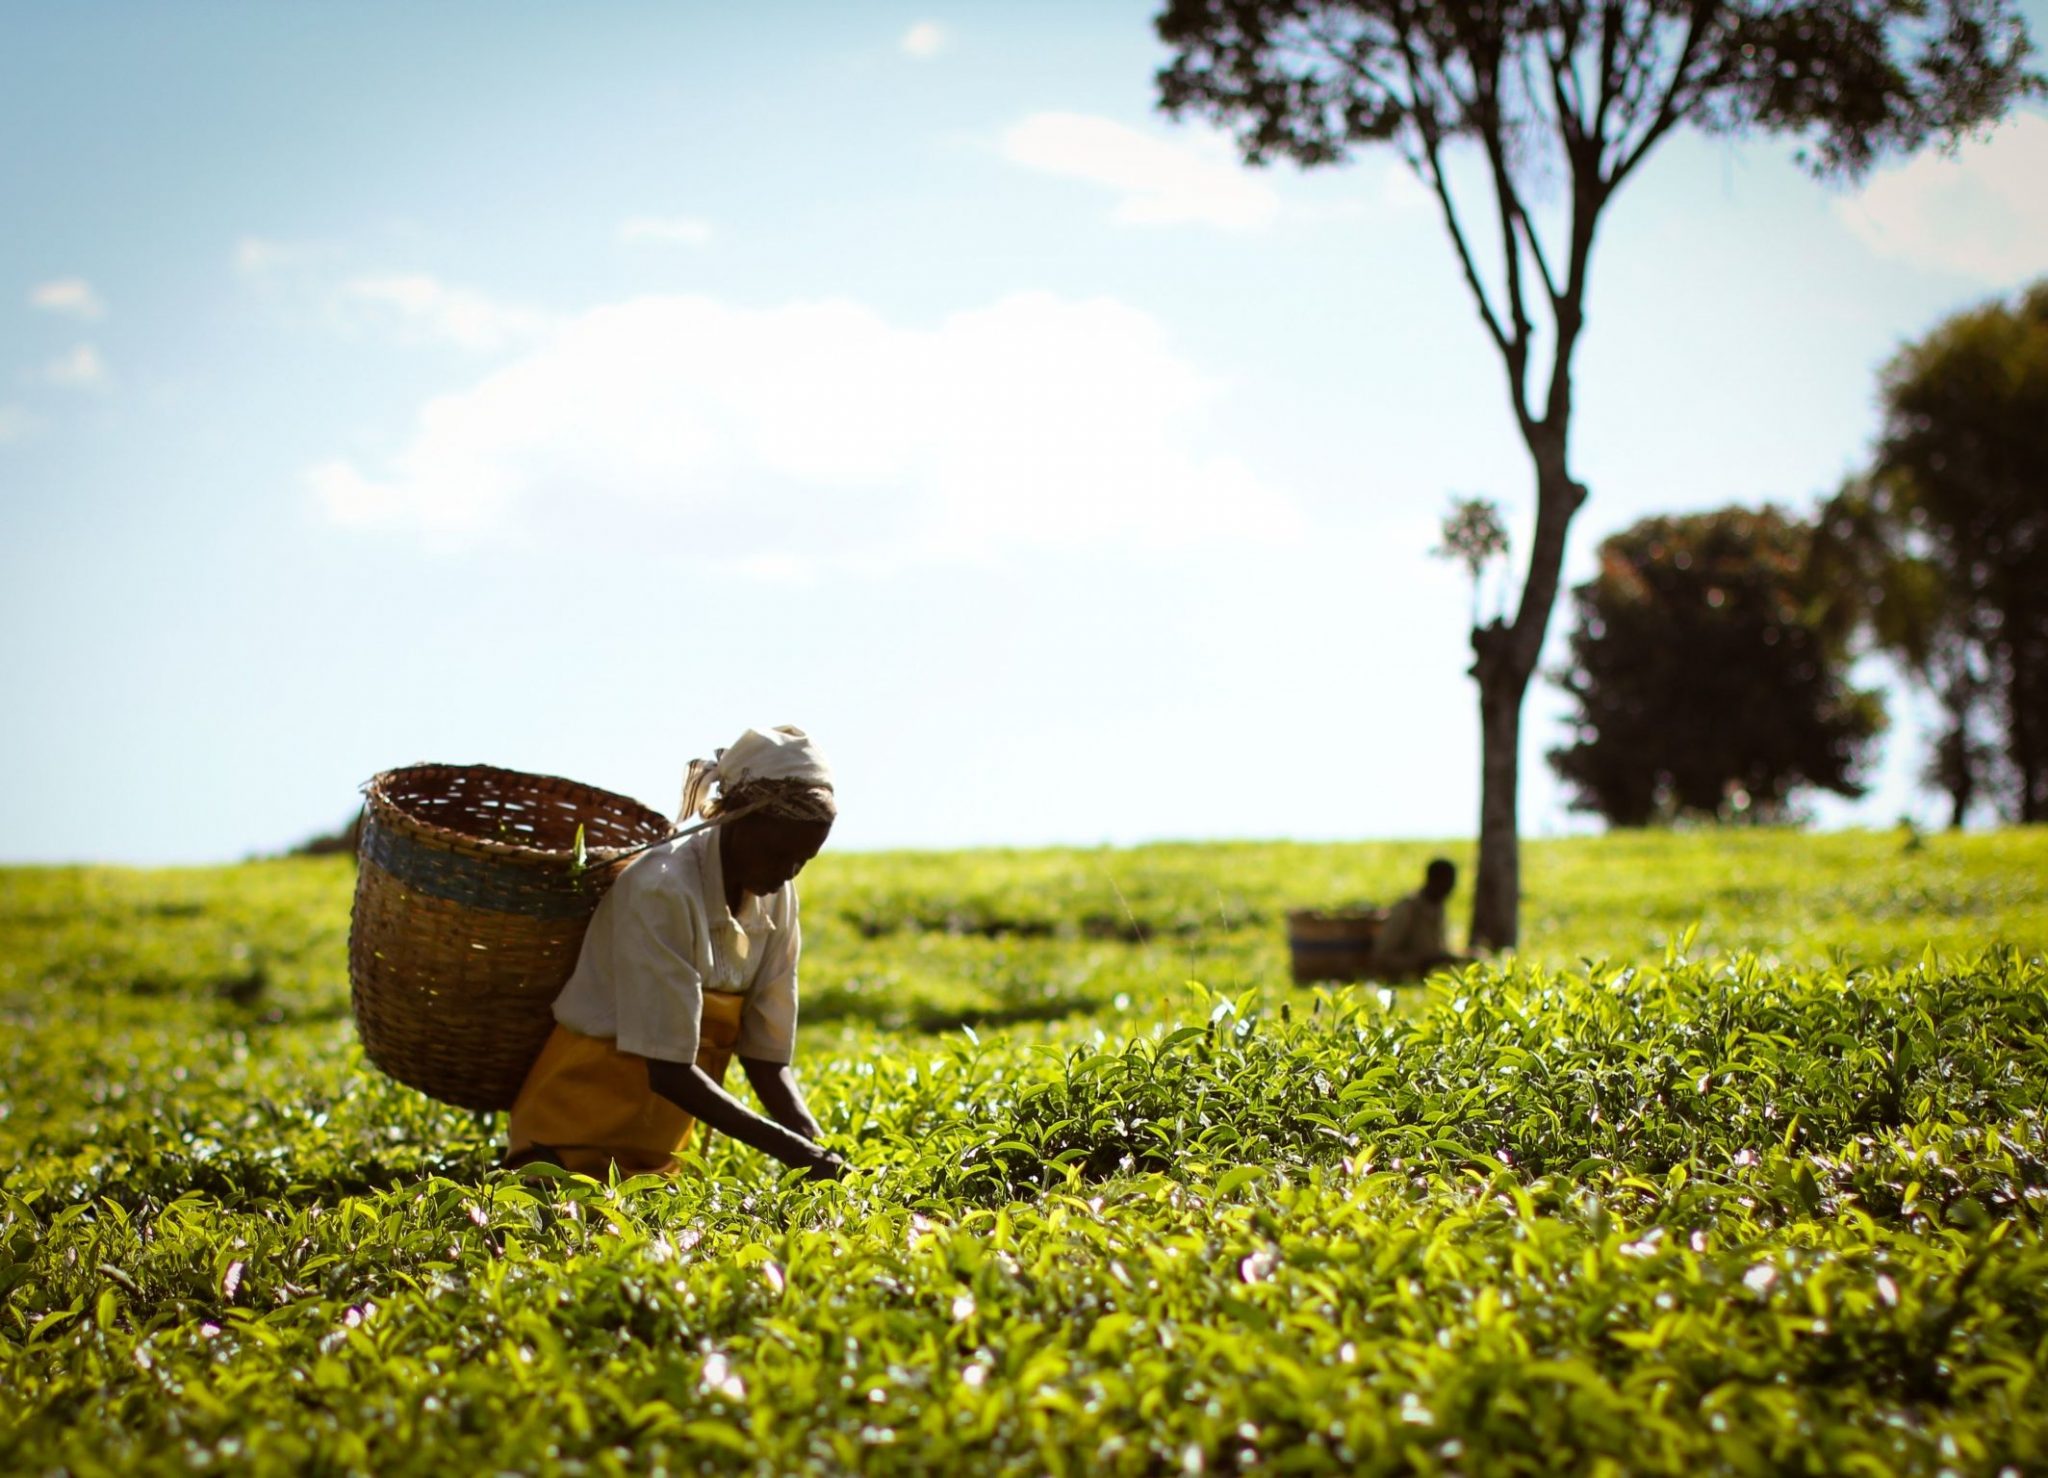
[(473, 882)]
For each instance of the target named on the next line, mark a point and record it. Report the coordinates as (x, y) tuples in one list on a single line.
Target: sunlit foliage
[(1764, 1193)]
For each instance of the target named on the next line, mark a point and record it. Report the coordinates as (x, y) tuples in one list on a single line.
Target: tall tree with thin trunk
[(1961, 485), (1579, 92)]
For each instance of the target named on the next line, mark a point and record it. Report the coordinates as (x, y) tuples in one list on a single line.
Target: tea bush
[(1742, 1164)]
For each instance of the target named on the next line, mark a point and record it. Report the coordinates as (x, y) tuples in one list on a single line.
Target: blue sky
[(570, 387)]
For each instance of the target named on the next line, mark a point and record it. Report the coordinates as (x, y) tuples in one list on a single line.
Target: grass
[(1741, 1164)]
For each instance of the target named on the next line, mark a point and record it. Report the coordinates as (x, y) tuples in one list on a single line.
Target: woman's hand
[(691, 1089), (825, 1166)]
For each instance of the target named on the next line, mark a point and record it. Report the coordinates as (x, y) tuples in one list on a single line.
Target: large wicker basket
[(469, 912)]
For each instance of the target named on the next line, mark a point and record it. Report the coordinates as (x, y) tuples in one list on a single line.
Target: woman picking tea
[(691, 961)]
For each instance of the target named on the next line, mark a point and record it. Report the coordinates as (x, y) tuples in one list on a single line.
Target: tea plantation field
[(1741, 1165)]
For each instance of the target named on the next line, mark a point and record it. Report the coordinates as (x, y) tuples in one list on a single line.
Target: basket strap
[(607, 855)]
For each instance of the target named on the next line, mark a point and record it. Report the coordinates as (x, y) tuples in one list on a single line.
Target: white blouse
[(663, 936)]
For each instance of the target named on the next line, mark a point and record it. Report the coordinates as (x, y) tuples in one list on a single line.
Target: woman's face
[(761, 853)]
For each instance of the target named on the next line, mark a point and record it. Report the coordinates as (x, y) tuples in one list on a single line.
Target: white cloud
[(1194, 178), (80, 369), (674, 231), (924, 40), (72, 295), (427, 308), (778, 440), (1981, 212), (304, 278), (17, 423)]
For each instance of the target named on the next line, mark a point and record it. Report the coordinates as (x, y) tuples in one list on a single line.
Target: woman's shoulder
[(671, 869)]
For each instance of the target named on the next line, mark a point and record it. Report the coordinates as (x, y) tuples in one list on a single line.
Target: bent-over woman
[(691, 961)]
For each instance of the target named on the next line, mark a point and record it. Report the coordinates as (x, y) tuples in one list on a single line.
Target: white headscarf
[(779, 771)]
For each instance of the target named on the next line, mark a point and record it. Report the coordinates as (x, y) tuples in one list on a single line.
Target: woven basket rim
[(389, 812), (1335, 915)]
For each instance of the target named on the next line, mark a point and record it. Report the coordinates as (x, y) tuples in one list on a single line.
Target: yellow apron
[(586, 1105)]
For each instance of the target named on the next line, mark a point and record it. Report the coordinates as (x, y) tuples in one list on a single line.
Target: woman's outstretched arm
[(774, 1083), (691, 1089)]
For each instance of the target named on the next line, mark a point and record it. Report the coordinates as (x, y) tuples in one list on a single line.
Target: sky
[(569, 388)]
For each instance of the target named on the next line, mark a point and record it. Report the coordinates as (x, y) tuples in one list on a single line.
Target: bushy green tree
[(1561, 102), (1958, 503), (1705, 679)]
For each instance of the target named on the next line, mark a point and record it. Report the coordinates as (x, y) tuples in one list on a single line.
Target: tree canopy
[(1580, 93), (1705, 679), (1952, 525)]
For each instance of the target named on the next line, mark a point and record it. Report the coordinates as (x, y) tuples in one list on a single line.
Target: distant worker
[(1410, 943)]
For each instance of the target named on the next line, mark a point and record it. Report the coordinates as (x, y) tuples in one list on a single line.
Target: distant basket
[(1332, 946), (469, 914)]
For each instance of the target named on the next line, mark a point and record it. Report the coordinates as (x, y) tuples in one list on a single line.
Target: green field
[(1742, 1165)]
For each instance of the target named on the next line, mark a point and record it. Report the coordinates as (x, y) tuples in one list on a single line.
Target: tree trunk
[(1955, 767), (2032, 791), (1497, 892), (1505, 658), (2023, 745)]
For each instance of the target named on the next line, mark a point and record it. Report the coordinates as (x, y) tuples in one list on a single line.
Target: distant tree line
[(1709, 657), (332, 843)]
